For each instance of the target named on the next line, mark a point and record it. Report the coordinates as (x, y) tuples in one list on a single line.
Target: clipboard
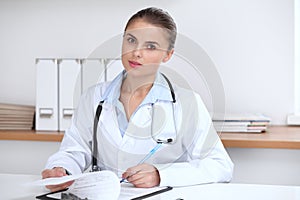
[(144, 196), (63, 196), (168, 188), (46, 197)]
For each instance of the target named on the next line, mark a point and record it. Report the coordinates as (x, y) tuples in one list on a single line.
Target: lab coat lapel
[(139, 124), (109, 124)]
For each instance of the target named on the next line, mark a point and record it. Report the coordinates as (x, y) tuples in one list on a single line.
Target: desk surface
[(287, 137), (12, 188)]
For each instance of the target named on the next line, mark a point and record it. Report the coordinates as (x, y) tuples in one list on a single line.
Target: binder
[(60, 83), (46, 95), (93, 72), (69, 90)]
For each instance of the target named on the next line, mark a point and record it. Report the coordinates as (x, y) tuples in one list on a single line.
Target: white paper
[(97, 185), (128, 191), (94, 185), (56, 180)]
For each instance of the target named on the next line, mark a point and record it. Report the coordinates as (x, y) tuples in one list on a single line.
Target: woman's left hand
[(142, 176)]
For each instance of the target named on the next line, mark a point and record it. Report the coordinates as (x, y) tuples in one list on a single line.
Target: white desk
[(12, 188)]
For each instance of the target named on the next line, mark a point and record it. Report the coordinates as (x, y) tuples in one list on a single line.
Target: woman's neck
[(137, 85)]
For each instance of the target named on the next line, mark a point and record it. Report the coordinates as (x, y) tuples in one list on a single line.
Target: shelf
[(282, 137), (31, 135)]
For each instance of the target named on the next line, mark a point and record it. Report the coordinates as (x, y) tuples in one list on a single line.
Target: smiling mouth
[(134, 64)]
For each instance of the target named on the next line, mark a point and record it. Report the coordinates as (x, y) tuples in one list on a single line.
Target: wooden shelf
[(283, 137), (31, 135)]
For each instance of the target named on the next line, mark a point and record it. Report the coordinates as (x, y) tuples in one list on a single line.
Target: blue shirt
[(159, 91)]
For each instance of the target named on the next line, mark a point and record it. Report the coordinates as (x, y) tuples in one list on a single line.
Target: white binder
[(60, 83), (69, 90), (46, 95), (93, 72), (113, 68)]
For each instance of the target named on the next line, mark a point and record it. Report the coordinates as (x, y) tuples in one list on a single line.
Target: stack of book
[(252, 123), (16, 117)]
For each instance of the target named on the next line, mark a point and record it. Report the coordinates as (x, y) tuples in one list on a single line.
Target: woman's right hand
[(56, 172)]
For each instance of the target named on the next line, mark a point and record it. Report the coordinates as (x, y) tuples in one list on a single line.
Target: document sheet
[(94, 185), (97, 185)]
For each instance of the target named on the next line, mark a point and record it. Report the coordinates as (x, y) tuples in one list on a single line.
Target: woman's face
[(144, 48)]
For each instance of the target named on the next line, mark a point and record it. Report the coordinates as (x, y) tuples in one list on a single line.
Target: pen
[(147, 156)]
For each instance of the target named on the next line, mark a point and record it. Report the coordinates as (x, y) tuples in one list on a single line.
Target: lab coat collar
[(159, 91), (112, 92)]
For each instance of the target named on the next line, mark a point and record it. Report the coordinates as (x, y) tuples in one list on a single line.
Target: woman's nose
[(137, 52)]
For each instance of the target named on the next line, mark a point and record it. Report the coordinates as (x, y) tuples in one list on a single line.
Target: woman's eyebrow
[(131, 35), (152, 42)]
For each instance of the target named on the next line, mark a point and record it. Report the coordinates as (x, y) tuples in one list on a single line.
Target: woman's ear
[(168, 55)]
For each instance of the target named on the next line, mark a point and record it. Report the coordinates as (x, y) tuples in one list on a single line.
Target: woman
[(142, 111)]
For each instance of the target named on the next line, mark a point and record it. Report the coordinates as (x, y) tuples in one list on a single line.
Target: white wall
[(266, 166), (250, 42), (258, 166), (25, 157), (297, 57)]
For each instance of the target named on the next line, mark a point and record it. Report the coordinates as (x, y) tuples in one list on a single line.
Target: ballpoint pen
[(147, 157)]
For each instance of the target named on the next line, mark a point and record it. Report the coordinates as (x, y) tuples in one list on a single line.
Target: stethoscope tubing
[(159, 142)]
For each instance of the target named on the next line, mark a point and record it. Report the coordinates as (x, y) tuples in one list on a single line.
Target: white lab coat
[(195, 156)]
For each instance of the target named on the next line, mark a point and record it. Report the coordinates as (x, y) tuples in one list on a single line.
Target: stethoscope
[(159, 142)]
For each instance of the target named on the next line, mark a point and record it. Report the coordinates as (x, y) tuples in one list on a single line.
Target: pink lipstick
[(134, 64)]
